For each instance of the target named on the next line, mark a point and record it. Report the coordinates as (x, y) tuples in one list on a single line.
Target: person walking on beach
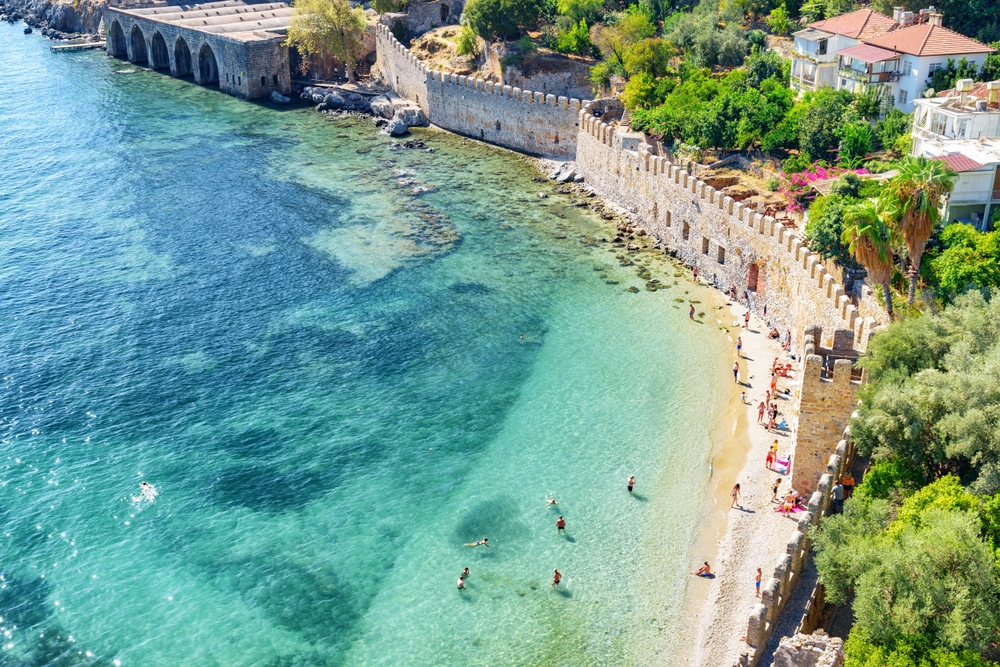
[(769, 460), (556, 576), (743, 397), (746, 320), (735, 493), (757, 583), (774, 490), (631, 483), (736, 372), (696, 274), (560, 525), (691, 312), (760, 412), (739, 346)]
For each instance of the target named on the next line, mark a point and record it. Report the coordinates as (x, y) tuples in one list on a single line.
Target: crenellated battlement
[(527, 96)]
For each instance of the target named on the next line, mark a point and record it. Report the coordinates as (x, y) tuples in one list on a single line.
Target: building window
[(907, 68), (903, 95), (686, 231), (263, 81), (275, 79), (704, 245), (934, 67), (722, 255), (668, 218), (843, 84), (822, 48)]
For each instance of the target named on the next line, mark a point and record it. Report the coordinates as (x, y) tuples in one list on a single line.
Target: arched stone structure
[(182, 59), (208, 66), (230, 44), (117, 46), (159, 57), (137, 47)]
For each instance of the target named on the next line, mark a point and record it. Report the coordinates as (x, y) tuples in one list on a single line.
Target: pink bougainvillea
[(796, 187)]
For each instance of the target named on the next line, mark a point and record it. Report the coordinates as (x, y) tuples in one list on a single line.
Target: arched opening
[(182, 58), (752, 277), (445, 11), (116, 42), (159, 57), (207, 66), (138, 47)]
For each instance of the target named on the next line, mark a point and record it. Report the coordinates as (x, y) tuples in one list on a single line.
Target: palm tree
[(869, 235), (919, 187)]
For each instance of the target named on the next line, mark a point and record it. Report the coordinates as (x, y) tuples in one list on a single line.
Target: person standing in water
[(461, 583), (691, 312), (560, 524), (739, 346), (736, 372), (556, 576), (631, 483)]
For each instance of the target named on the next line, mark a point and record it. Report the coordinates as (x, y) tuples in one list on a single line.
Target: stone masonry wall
[(728, 242), (522, 120), (241, 64)]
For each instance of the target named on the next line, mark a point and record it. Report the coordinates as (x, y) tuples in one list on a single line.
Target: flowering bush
[(796, 187)]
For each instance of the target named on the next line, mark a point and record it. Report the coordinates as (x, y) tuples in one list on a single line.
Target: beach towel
[(797, 508)]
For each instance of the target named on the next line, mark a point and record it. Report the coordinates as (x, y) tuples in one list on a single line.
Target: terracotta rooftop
[(868, 53), (861, 24), (929, 40), (979, 91), (958, 162)]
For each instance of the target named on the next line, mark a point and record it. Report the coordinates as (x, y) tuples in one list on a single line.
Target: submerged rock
[(278, 98), (396, 128)]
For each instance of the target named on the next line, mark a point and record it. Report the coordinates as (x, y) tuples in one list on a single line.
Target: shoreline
[(735, 542)]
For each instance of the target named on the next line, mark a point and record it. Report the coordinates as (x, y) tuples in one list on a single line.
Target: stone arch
[(208, 66), (137, 46), (159, 57), (117, 46), (182, 59), (445, 13)]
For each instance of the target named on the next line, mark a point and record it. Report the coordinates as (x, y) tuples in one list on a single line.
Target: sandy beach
[(754, 534)]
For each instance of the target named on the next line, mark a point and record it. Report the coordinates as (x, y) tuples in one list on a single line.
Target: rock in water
[(382, 107), (278, 98), (412, 115), (334, 101), (396, 128), (28, 31), (566, 176)]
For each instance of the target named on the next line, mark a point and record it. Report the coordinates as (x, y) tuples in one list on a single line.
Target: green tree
[(991, 68), (919, 187), (327, 31), (857, 141), (945, 77), (580, 10), (825, 227), (971, 259), (576, 39), (500, 19), (820, 122), (869, 238), (763, 65), (892, 126), (468, 42), (778, 20), (640, 91), (614, 39), (651, 55), (933, 401), (387, 6)]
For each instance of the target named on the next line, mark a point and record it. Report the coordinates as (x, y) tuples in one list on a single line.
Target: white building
[(814, 59), (864, 48), (962, 127)]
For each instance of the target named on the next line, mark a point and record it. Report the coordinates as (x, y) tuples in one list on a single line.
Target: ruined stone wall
[(522, 120), (815, 650), (730, 243), (402, 70)]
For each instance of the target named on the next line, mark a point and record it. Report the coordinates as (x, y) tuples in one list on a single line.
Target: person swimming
[(485, 542), (146, 492), (550, 501)]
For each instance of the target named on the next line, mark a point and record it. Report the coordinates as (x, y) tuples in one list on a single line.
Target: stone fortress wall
[(522, 120), (731, 244), (777, 589)]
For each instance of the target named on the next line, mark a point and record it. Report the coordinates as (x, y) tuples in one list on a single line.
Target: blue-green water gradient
[(312, 346)]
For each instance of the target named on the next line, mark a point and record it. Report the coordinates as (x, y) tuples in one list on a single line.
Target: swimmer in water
[(485, 542), (550, 501), (556, 576), (147, 492)]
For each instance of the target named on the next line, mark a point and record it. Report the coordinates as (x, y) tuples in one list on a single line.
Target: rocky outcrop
[(57, 19), (817, 650)]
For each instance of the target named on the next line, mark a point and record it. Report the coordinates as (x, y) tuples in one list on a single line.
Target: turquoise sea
[(311, 345)]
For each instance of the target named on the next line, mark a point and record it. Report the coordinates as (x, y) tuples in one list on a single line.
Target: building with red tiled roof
[(861, 49), (861, 25)]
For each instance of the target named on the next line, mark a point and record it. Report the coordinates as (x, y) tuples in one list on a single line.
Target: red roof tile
[(861, 24), (929, 40), (868, 53), (958, 162)]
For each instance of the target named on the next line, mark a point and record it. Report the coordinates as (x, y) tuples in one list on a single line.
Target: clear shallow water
[(321, 370)]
